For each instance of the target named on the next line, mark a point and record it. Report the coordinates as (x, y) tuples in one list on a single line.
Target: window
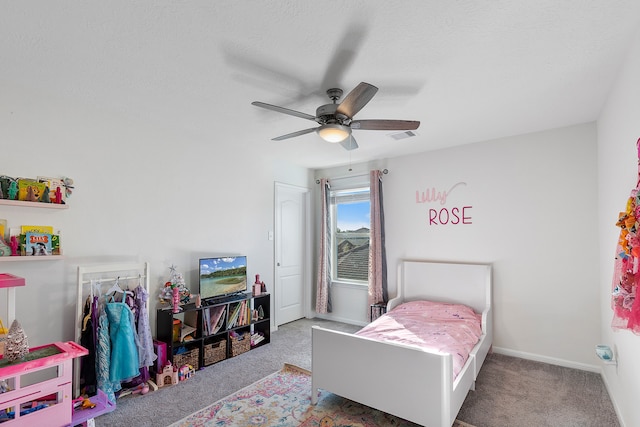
[(351, 223)]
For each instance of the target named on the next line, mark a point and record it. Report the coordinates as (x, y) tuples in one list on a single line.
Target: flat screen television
[(222, 276)]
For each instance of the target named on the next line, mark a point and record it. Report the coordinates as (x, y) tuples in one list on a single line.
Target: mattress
[(439, 327)]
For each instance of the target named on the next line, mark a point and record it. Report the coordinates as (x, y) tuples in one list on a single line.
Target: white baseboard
[(546, 359), (616, 407)]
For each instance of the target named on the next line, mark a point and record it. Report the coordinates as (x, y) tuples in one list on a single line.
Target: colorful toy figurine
[(185, 372), (13, 190), (83, 403), (5, 249), (44, 198), (58, 197), (14, 246), (32, 195)]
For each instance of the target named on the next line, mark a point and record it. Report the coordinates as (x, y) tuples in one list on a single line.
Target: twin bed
[(410, 382)]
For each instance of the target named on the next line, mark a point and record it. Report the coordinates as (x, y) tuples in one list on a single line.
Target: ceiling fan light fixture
[(333, 132)]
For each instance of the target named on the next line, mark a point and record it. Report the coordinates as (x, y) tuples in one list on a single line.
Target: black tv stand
[(219, 329)]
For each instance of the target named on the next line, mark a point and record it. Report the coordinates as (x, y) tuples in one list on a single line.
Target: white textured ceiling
[(468, 70)]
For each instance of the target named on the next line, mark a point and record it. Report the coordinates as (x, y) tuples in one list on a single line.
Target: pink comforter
[(445, 328)]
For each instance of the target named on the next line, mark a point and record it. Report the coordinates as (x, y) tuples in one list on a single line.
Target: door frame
[(306, 261)]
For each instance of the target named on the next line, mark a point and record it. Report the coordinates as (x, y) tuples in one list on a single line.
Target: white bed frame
[(405, 381)]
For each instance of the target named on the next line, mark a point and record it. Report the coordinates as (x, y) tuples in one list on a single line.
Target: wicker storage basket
[(190, 357), (240, 344), (215, 352)]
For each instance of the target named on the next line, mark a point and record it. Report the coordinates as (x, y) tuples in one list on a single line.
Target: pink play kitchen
[(36, 387)]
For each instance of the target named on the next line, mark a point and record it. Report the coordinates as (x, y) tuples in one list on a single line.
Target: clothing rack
[(105, 274)]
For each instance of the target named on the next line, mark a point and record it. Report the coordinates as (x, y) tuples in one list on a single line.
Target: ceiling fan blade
[(349, 143), (294, 134), (347, 49), (284, 110), (356, 99), (385, 124)]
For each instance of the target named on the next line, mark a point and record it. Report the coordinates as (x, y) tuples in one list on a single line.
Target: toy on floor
[(141, 389), (185, 372), (168, 376)]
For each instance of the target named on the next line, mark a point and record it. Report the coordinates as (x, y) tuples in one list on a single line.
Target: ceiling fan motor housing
[(327, 114)]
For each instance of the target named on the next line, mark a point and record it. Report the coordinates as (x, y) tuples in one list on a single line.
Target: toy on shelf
[(16, 343), (5, 249), (82, 403), (175, 290), (13, 190), (14, 246), (44, 198), (42, 189)]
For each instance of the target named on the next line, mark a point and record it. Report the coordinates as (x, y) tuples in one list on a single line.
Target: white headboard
[(468, 284)]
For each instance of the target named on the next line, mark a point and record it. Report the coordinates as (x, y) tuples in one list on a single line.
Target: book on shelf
[(55, 244), (38, 244), (242, 314), (233, 316), (205, 322), (239, 316), (186, 332), (188, 328), (256, 338), (30, 190), (24, 229), (214, 319)]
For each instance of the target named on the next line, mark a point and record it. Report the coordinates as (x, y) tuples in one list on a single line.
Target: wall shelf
[(30, 258), (7, 202)]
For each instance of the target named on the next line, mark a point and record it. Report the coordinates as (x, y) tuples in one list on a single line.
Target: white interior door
[(291, 241)]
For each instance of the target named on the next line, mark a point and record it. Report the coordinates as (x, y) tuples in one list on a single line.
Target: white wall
[(144, 192), (532, 215), (618, 131)]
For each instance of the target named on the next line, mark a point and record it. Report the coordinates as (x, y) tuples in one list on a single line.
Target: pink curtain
[(377, 254), (323, 298)]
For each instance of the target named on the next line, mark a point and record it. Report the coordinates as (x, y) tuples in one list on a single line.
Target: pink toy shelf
[(9, 282), (31, 401)]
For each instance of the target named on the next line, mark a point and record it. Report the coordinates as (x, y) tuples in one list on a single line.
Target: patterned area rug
[(283, 399)]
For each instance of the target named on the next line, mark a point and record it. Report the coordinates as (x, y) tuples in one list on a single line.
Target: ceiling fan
[(336, 120)]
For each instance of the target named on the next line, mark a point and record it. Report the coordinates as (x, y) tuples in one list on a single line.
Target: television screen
[(221, 276)]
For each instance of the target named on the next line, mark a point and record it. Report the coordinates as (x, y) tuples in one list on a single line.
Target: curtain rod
[(384, 171)]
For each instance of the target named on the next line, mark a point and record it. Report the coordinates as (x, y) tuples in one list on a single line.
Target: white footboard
[(404, 381)]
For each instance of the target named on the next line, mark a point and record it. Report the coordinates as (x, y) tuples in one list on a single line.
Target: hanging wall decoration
[(626, 275), (444, 214)]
